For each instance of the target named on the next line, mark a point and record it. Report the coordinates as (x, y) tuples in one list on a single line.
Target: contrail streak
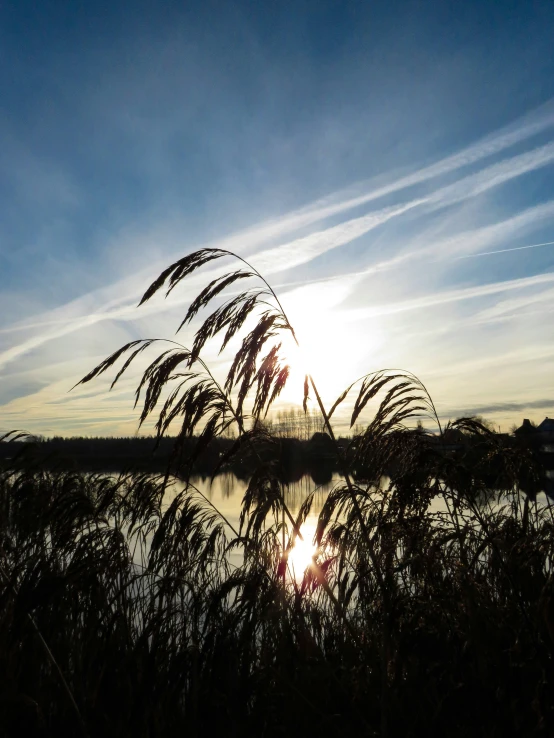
[(504, 251)]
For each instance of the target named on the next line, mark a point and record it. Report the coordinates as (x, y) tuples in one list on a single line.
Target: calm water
[(226, 492)]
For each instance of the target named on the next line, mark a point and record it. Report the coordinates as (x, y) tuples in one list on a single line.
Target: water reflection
[(226, 492), (302, 553)]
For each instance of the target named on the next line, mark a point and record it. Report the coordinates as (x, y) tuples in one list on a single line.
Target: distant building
[(541, 435), (547, 426), (526, 429)]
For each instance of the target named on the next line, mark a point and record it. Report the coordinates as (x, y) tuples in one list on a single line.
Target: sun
[(334, 348), (332, 352)]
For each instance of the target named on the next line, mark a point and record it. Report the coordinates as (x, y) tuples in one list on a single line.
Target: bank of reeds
[(428, 609)]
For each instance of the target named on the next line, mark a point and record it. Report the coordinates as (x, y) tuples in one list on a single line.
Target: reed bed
[(427, 609)]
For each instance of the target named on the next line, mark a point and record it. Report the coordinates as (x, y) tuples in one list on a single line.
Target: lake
[(226, 492)]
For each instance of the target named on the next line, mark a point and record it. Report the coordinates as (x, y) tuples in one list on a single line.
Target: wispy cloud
[(487, 147), (121, 303), (503, 407), (417, 215), (442, 298), (303, 250)]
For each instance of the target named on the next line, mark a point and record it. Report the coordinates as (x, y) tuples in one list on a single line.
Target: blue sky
[(365, 156)]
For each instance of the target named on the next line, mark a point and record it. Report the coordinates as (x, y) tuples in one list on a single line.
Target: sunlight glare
[(302, 553), (326, 336)]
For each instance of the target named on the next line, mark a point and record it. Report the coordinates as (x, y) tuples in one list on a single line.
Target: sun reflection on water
[(302, 553)]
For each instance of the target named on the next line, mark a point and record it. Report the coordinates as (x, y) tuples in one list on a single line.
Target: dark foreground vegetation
[(428, 609)]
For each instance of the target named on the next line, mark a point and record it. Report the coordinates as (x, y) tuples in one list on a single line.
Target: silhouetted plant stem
[(49, 655), (240, 422), (400, 583)]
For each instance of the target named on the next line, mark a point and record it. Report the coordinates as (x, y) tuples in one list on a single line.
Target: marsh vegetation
[(131, 607)]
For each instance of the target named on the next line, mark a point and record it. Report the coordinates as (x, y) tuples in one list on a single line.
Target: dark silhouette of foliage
[(427, 609)]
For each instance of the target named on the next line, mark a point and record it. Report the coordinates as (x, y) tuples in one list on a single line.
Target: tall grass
[(428, 608)]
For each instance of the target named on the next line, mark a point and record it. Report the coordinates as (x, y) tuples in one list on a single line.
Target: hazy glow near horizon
[(391, 175)]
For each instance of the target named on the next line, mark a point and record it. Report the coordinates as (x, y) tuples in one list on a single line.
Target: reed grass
[(428, 609)]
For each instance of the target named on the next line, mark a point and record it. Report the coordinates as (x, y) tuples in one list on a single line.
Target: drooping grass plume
[(428, 608)]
